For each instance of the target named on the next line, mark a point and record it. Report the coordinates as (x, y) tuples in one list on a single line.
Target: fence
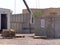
[(43, 26), (47, 26), (20, 23)]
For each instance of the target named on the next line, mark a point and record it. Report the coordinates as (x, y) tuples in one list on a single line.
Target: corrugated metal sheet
[(38, 30), (16, 18), (20, 21), (57, 27), (52, 27)]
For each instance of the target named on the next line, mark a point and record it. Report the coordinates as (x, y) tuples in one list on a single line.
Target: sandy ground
[(29, 41)]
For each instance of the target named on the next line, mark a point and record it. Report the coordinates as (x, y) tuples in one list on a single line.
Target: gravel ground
[(29, 41)]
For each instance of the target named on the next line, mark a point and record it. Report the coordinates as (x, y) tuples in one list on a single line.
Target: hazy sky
[(10, 4)]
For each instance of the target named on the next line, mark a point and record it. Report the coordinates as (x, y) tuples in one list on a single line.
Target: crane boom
[(30, 12), (27, 6)]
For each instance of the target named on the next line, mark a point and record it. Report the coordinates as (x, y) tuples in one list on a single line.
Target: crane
[(27, 6), (30, 12)]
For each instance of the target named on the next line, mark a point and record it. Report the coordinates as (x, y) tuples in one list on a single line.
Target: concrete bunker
[(5, 18)]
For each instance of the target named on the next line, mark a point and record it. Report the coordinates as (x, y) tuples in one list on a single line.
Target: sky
[(17, 5)]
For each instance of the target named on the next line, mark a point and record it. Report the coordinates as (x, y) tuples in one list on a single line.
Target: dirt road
[(29, 41)]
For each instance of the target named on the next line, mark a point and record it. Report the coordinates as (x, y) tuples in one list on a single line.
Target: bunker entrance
[(3, 21)]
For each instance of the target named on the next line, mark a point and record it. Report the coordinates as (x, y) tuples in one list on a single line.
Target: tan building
[(48, 24), (47, 11)]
